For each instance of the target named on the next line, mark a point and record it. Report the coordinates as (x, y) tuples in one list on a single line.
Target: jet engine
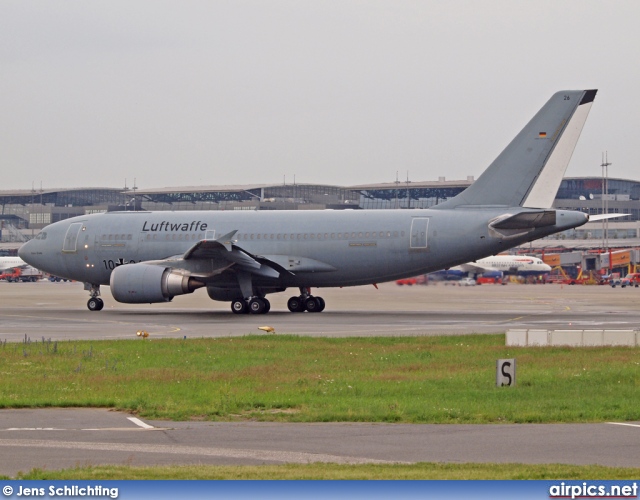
[(146, 283)]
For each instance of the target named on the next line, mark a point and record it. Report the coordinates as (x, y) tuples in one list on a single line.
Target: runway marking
[(119, 429), (139, 422), (512, 319), (172, 329), (265, 455), (34, 429), (175, 329), (622, 423)]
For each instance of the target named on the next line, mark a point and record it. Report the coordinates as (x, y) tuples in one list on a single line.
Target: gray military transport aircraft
[(149, 257)]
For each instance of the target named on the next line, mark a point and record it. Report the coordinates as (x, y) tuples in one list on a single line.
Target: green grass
[(339, 472), (302, 379)]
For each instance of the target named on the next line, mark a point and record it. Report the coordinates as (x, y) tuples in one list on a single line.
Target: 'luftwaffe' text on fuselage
[(167, 226)]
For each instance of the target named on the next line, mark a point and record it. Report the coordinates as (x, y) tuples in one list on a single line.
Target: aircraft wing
[(224, 253)]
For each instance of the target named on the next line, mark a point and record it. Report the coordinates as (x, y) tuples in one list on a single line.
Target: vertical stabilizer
[(529, 170)]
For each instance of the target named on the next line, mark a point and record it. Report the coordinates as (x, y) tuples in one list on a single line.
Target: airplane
[(241, 257), (11, 263), (522, 265)]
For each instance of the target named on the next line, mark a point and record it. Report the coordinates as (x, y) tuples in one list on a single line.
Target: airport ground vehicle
[(19, 274), (560, 276), (632, 279), (489, 280), (423, 279), (614, 279), (467, 282), (56, 279)]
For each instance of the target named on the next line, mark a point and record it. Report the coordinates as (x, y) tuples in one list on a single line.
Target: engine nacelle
[(147, 284)]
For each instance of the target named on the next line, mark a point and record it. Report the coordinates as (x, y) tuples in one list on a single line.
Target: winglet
[(227, 240)]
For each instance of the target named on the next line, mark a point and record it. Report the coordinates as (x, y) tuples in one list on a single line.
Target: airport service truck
[(21, 274)]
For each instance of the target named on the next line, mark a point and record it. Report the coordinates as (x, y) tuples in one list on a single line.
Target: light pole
[(605, 202), (605, 205)]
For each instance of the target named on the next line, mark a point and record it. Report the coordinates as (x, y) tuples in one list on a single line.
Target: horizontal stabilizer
[(509, 226), (525, 220), (593, 218)]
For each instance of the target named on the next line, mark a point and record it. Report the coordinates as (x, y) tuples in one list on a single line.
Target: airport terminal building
[(25, 212)]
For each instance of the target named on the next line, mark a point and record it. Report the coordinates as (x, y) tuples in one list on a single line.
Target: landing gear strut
[(95, 303), (305, 302)]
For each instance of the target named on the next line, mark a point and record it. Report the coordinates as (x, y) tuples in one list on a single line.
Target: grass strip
[(342, 472), (302, 379)]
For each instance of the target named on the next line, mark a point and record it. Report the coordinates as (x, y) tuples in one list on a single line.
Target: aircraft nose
[(28, 252), (22, 252)]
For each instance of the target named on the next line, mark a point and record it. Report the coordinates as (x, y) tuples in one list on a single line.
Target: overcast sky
[(178, 93)]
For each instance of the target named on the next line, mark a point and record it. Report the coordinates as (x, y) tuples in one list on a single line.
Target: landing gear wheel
[(257, 306), (267, 306), (295, 305), (320, 301), (239, 306), (95, 304), (312, 304)]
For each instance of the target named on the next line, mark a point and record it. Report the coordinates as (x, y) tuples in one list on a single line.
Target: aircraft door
[(210, 234), (419, 228), (71, 238)]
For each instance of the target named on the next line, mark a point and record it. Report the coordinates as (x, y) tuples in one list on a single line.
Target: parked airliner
[(521, 265), (241, 257), (7, 263)]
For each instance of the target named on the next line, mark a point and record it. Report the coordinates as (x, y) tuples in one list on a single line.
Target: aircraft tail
[(529, 171)]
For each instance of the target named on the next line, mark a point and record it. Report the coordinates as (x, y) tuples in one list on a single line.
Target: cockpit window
[(41, 236)]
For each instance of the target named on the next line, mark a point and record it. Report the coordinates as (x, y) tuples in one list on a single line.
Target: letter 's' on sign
[(505, 372)]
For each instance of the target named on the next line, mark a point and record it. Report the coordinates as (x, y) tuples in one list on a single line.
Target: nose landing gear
[(95, 303)]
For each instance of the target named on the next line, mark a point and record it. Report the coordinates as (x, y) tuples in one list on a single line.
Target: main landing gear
[(260, 305), (95, 303), (254, 305), (305, 302)]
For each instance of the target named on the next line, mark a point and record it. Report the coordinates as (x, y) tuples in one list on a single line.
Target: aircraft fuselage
[(351, 247)]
